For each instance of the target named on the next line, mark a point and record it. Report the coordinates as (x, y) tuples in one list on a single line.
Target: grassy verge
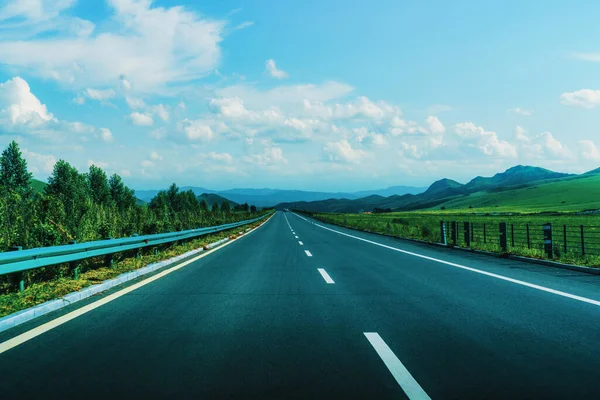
[(94, 271), (426, 227)]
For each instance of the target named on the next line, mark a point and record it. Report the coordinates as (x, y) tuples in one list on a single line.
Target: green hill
[(570, 194), (212, 198), (37, 185)]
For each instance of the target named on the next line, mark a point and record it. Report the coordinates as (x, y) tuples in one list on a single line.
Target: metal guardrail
[(24, 260)]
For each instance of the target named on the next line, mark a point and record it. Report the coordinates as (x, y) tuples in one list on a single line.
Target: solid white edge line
[(308, 253), (26, 336), (478, 271), (325, 276), (409, 385)]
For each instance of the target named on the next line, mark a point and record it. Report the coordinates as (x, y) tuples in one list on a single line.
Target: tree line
[(89, 206)]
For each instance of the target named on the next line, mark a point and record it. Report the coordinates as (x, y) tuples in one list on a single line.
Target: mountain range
[(272, 197), (448, 193)]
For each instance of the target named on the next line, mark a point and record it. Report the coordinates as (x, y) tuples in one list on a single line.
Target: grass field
[(524, 232), (566, 195)]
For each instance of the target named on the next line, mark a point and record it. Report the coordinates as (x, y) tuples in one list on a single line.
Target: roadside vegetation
[(58, 280), (524, 232), (89, 206)]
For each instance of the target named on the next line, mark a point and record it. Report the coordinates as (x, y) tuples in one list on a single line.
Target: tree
[(14, 176), (225, 207), (98, 183), (253, 209), (123, 197), (203, 205), (215, 208)]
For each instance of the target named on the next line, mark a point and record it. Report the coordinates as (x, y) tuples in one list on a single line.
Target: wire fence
[(551, 241)]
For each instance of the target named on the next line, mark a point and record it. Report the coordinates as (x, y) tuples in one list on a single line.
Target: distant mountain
[(270, 197), (212, 198), (438, 193)]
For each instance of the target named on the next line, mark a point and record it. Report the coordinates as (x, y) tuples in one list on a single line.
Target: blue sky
[(314, 95)]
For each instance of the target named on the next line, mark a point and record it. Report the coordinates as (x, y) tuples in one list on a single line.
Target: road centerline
[(326, 276), (308, 253)]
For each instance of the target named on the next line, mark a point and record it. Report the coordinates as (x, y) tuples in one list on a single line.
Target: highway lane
[(291, 310)]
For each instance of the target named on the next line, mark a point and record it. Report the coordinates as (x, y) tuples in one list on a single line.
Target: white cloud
[(153, 46), (125, 172), (41, 165), (488, 143), (134, 103), (243, 25), (586, 98), (159, 133), (196, 130), (342, 151), (141, 119), (520, 111), (435, 125), (589, 150), (100, 164), (79, 100), (106, 135), (19, 106), (521, 134), (551, 145), (273, 71), (230, 107), (270, 157), (147, 164), (100, 95), (155, 156), (220, 157), (162, 112), (595, 57)]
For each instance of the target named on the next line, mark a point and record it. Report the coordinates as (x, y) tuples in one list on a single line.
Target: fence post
[(467, 234), (512, 235), (484, 233), (503, 237), (454, 232), (548, 247), (20, 275), (528, 238), (74, 265), (472, 232), (443, 238), (582, 241), (565, 238)]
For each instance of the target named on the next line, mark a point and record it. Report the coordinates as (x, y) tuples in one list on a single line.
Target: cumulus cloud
[(488, 143), (41, 165), (141, 119), (153, 46), (196, 130), (589, 150), (106, 135), (586, 98), (220, 157), (435, 125), (155, 156), (273, 71), (342, 151), (161, 111), (18, 105), (271, 156)]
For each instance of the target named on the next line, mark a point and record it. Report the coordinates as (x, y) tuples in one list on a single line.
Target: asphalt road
[(330, 317)]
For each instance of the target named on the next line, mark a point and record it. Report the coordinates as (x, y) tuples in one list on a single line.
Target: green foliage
[(89, 206)]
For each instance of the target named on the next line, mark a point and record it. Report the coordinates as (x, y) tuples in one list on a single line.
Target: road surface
[(303, 310)]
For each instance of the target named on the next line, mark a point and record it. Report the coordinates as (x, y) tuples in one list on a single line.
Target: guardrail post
[(528, 237), (467, 234), (74, 265), (138, 252), (109, 257), (443, 237), (512, 235), (454, 232), (548, 246), (20, 275), (503, 237), (582, 241)]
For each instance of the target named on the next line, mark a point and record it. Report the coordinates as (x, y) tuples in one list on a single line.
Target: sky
[(335, 95)]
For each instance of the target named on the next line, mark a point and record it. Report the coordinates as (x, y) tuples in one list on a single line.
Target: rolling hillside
[(37, 185), (519, 189), (212, 198)]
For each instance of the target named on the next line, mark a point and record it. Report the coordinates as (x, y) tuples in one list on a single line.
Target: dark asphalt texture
[(255, 319)]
